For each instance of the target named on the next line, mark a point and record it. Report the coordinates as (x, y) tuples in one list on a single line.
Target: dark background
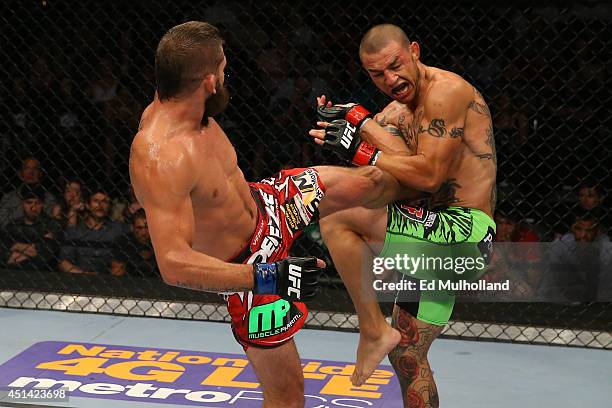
[(543, 69)]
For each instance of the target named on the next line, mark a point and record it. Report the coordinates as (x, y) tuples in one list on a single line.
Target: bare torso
[(470, 180), (224, 213)]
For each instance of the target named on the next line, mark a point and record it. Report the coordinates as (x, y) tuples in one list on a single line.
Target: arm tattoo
[(485, 156), (437, 128), (393, 130), (478, 107), (410, 131), (481, 108)]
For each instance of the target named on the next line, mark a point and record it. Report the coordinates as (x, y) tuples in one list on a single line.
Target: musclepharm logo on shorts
[(271, 319), (347, 137)]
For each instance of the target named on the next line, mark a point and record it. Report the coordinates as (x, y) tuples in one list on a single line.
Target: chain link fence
[(77, 75)]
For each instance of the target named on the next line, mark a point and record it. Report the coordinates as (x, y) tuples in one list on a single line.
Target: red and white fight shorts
[(286, 203)]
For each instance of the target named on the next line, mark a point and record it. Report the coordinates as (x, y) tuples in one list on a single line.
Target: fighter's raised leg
[(353, 237)]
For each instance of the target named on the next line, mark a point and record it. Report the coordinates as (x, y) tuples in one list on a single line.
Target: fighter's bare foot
[(371, 352)]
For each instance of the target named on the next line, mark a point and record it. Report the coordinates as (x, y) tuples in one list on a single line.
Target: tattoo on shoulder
[(479, 107)]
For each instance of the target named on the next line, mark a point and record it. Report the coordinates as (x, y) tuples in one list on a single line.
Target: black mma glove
[(353, 113), (292, 278), (343, 138)]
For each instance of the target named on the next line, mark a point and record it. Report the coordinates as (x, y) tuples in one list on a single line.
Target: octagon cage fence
[(77, 75)]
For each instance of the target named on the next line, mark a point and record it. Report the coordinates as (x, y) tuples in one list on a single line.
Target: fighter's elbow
[(169, 277), (436, 177), (170, 267)]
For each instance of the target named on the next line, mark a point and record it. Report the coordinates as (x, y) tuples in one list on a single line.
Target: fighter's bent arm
[(164, 191), (439, 136), (386, 139)]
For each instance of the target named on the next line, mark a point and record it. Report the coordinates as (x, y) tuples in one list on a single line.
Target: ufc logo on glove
[(347, 137), (295, 276)]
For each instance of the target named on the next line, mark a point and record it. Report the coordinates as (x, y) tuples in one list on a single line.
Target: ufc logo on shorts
[(347, 137), (295, 277)]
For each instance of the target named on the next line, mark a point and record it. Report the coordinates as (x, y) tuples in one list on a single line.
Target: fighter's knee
[(333, 224), (327, 226)]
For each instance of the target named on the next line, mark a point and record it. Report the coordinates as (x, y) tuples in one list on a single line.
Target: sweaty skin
[(448, 153), (198, 204), (448, 131)]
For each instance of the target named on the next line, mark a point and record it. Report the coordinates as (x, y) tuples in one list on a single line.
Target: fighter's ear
[(415, 49), (210, 83)]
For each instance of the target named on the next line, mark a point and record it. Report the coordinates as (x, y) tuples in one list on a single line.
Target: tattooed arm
[(386, 130), (438, 135)]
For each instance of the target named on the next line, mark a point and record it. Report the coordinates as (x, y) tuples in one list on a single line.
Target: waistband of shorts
[(478, 216), (245, 252)]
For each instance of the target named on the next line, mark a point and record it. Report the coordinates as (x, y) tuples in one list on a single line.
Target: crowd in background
[(75, 92), (82, 231)]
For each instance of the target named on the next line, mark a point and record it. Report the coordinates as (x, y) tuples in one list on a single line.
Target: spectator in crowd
[(88, 245), (589, 198), (124, 208), (577, 261), (30, 242), (518, 262), (133, 254), (30, 175), (71, 208), (592, 198)]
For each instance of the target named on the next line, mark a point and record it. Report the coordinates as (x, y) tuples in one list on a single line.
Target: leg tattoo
[(409, 359)]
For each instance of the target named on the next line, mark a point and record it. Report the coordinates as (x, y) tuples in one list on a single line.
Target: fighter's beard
[(215, 104)]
